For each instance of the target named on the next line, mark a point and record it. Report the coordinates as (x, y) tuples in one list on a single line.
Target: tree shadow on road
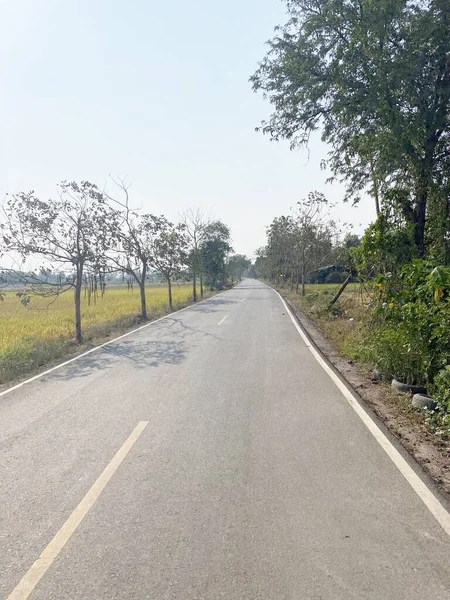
[(213, 305), (141, 353), (137, 354)]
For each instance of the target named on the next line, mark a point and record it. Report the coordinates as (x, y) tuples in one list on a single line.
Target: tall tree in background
[(196, 224), (343, 253), (237, 265), (313, 237), (135, 234), (72, 233), (169, 249), (215, 249), (280, 238), (299, 243), (262, 265), (375, 76)]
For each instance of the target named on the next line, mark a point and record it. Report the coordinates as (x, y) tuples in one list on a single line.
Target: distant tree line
[(303, 243), (84, 236)]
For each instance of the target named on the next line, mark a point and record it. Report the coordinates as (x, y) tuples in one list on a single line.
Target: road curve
[(210, 456)]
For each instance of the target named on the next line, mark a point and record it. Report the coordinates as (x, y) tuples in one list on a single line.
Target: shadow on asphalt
[(142, 354), (138, 354), (213, 305)]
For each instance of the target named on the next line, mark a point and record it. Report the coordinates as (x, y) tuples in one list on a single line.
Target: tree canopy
[(215, 248), (73, 232), (375, 78)]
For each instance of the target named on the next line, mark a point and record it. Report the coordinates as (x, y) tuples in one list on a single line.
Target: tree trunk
[(143, 299), (424, 182), (141, 283), (420, 212), (201, 286), (303, 273), (78, 286), (169, 283), (341, 289), (303, 280), (194, 286), (375, 191)]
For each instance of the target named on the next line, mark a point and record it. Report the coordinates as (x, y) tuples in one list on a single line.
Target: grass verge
[(411, 427), (348, 326)]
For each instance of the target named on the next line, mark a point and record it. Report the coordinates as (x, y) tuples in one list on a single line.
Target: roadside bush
[(385, 247), (441, 389), (336, 310), (312, 297), (413, 322), (392, 351)]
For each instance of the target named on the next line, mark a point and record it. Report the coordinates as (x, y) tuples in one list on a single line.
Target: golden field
[(32, 335)]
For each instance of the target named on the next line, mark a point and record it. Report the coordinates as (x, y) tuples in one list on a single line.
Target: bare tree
[(133, 254), (169, 249), (196, 224), (313, 236), (300, 242), (72, 233)]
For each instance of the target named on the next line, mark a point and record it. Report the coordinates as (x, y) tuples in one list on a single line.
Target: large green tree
[(215, 248), (237, 265), (375, 78)]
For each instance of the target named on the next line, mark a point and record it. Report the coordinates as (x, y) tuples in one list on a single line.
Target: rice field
[(43, 320)]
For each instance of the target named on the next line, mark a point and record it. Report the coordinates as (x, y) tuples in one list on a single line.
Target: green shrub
[(385, 247), (441, 389), (336, 310), (414, 319), (312, 297), (392, 351)]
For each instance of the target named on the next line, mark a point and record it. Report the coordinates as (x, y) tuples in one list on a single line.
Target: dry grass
[(32, 336), (349, 326), (345, 325)]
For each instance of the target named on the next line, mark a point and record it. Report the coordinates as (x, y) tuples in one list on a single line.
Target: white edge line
[(120, 337), (422, 490)]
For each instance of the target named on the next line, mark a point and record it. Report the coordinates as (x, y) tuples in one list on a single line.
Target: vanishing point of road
[(210, 455)]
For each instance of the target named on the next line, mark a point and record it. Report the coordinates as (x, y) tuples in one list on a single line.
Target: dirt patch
[(409, 426)]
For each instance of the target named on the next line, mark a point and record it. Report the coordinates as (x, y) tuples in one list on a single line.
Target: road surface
[(247, 475)]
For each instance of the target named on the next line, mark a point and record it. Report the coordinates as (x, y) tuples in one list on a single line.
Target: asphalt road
[(253, 479)]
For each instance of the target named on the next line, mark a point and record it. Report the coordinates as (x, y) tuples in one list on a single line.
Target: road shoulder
[(432, 453)]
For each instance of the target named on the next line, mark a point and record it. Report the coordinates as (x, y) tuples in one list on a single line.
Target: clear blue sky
[(157, 92)]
